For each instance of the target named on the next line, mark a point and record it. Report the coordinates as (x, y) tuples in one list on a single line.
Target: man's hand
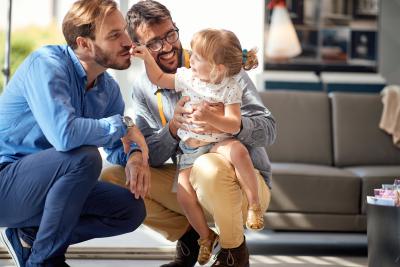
[(201, 113), (180, 115), (134, 135), (137, 175)]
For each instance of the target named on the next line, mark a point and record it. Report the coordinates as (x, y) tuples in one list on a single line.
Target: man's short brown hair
[(146, 12), (84, 17)]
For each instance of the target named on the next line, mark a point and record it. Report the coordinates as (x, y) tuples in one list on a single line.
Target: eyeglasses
[(170, 37)]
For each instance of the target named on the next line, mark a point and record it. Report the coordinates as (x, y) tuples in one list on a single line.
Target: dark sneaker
[(187, 250), (233, 257), (19, 254)]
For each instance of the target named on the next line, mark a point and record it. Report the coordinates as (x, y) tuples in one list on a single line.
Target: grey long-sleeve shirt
[(258, 125)]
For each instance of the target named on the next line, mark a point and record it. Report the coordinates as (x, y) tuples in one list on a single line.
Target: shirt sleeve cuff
[(114, 125), (113, 129), (246, 130)]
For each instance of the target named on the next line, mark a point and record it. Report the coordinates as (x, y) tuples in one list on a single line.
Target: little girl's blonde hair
[(223, 47)]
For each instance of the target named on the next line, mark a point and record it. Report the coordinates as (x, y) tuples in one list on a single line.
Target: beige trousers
[(218, 192)]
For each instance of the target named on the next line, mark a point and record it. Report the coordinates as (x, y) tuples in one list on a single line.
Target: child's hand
[(202, 115), (140, 51), (201, 112)]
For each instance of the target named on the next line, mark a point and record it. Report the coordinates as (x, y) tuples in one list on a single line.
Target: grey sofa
[(328, 156)]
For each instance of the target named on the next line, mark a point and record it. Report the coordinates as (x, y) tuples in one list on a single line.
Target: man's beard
[(168, 69), (104, 59)]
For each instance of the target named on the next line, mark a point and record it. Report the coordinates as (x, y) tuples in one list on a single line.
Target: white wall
[(26, 13), (389, 41)]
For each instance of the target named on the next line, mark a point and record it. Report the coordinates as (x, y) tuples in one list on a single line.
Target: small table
[(383, 230)]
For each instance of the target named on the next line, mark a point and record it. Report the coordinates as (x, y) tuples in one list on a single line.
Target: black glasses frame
[(160, 41)]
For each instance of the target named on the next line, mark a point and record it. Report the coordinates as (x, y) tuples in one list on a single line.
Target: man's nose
[(166, 46)]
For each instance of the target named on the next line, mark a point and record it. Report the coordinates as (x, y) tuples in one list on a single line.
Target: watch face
[(128, 121)]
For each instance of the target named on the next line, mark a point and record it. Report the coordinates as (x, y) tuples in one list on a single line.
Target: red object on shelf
[(274, 3)]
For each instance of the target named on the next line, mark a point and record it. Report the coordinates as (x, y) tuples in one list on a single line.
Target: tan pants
[(218, 192)]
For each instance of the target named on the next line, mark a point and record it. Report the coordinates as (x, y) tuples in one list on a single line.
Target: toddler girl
[(216, 59)]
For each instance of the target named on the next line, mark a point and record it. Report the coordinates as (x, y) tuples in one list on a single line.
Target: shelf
[(324, 81), (333, 36), (352, 82), (319, 67), (290, 80)]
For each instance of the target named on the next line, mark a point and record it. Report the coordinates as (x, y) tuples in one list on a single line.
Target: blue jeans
[(55, 199)]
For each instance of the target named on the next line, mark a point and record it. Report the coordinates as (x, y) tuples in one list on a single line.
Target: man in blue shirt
[(59, 107)]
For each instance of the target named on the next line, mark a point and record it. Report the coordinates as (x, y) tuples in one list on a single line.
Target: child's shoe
[(255, 219), (206, 247)]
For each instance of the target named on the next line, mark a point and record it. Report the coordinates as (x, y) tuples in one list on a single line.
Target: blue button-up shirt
[(46, 105)]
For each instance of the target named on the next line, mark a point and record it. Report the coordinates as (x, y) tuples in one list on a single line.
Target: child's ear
[(221, 69)]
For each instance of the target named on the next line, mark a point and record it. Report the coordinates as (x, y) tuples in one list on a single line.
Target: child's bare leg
[(237, 154), (234, 151), (187, 198)]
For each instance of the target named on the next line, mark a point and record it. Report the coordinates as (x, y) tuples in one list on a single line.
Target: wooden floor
[(146, 248), (255, 261)]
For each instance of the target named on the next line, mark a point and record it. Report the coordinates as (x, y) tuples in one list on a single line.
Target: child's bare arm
[(155, 74), (229, 122)]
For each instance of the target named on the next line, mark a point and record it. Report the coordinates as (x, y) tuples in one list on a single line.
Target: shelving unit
[(336, 35)]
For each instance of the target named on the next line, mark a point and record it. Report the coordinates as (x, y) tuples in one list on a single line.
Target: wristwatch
[(128, 122)]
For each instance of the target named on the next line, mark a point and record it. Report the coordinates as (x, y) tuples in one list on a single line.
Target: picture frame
[(365, 9), (363, 45), (335, 44)]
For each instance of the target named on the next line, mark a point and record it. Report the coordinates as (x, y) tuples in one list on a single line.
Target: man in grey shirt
[(158, 114)]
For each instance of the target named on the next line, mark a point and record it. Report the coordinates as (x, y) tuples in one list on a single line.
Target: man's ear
[(83, 43)]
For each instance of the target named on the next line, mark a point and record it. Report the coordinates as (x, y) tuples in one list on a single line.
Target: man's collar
[(81, 71), (78, 66)]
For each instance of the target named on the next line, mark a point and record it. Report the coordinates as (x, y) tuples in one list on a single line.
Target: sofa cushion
[(373, 177), (295, 221), (357, 139), (303, 126), (314, 189)]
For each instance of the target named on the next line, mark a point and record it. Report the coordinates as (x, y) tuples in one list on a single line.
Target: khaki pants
[(218, 192)]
